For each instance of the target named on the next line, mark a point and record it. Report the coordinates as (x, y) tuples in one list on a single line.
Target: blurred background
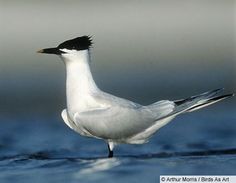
[(144, 51)]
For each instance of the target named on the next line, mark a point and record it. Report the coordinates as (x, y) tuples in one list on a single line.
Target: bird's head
[(70, 47)]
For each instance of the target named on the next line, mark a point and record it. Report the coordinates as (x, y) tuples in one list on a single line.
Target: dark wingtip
[(222, 97), (213, 94)]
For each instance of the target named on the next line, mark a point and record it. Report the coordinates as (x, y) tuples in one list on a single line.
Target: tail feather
[(209, 102), (202, 96), (198, 101)]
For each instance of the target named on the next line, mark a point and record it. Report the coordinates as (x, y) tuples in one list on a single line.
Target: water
[(40, 148)]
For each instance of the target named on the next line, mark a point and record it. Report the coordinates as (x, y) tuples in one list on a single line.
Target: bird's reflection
[(98, 166)]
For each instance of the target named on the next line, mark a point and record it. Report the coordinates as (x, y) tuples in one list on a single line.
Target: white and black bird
[(94, 113)]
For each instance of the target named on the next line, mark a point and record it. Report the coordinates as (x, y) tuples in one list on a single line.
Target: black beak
[(55, 51)]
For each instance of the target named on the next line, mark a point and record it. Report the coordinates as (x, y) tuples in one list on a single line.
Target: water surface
[(41, 148)]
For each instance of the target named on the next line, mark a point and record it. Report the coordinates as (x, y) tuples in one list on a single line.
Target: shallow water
[(40, 148)]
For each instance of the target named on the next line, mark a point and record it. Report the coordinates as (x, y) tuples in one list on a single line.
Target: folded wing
[(119, 123)]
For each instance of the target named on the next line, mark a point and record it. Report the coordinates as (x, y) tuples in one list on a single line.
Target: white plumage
[(94, 113)]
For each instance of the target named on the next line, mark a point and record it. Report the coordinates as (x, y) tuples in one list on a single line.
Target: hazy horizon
[(143, 51)]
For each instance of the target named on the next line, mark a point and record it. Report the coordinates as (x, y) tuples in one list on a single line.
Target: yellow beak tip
[(40, 51)]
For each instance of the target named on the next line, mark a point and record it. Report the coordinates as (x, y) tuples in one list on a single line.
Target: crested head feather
[(79, 43)]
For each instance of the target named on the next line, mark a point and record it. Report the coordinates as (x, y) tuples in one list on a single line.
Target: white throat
[(80, 85)]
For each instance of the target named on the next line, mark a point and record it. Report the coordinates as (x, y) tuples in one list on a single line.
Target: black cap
[(79, 43)]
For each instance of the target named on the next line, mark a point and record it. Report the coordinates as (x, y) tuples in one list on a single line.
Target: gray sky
[(142, 48)]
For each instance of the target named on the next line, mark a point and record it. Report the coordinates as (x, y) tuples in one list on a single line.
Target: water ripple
[(49, 155)]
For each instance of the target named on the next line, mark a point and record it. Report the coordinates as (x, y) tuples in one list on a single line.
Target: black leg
[(110, 155)]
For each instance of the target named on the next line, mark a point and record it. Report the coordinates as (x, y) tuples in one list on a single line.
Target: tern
[(92, 112)]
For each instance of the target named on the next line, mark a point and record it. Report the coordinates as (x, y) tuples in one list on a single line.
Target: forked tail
[(199, 101)]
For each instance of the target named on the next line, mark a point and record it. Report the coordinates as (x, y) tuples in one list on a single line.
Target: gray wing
[(121, 118), (114, 122)]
